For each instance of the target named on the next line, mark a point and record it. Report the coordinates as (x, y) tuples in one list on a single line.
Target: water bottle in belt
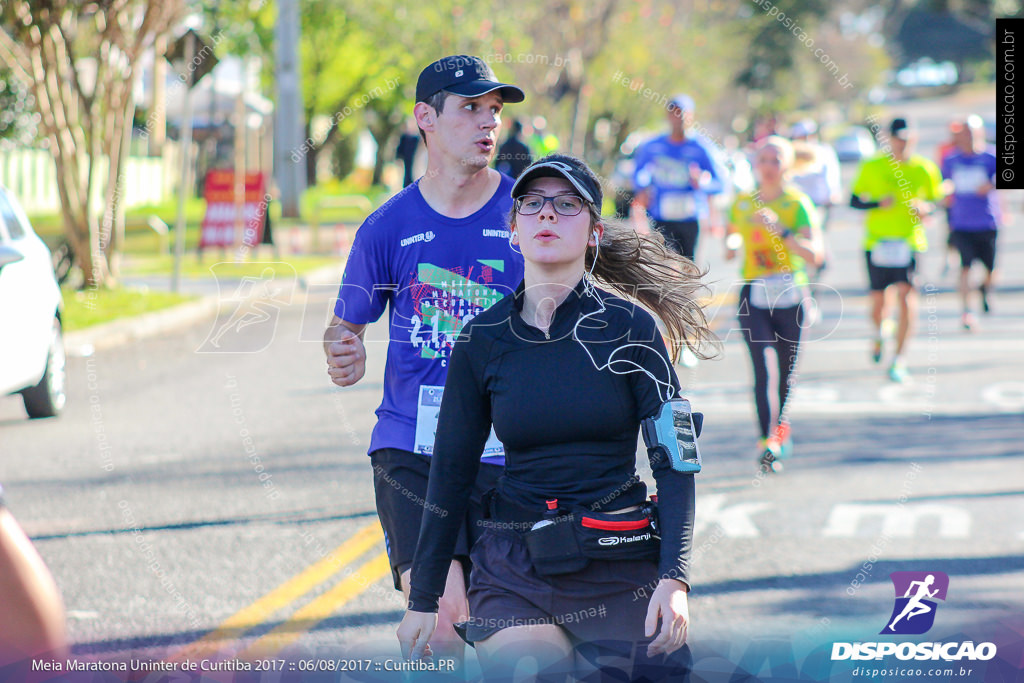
[(549, 515)]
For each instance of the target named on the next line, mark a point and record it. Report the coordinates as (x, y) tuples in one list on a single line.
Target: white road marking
[(898, 520), (1006, 396), (735, 521), (82, 615)]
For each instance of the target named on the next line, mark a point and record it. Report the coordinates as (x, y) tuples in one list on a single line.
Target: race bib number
[(677, 206), (968, 179), (427, 412), (775, 291), (891, 254)]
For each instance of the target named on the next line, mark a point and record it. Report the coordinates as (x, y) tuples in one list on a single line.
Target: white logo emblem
[(422, 237), (458, 73), (561, 165)]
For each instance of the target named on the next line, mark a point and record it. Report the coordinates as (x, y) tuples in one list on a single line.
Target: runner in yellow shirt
[(896, 188), (774, 226)]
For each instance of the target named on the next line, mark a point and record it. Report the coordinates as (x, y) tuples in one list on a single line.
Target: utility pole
[(157, 125), (186, 161), (291, 179)]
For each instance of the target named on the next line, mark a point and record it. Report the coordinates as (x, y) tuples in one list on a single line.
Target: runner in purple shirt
[(434, 256), (974, 214)]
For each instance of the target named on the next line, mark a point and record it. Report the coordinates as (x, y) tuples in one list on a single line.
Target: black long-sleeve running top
[(569, 430)]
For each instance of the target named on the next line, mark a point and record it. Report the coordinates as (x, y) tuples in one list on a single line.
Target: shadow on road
[(826, 444), (282, 518), (186, 470), (174, 640)]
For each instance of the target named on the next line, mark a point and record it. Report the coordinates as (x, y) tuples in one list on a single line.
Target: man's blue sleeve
[(641, 176), (367, 283), (718, 173)]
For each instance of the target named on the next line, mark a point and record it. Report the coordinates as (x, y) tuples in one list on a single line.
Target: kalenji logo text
[(615, 540)]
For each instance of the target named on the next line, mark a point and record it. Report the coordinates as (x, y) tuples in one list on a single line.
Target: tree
[(79, 60), (344, 75)]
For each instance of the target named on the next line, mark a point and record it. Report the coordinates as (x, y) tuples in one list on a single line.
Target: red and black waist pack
[(568, 542)]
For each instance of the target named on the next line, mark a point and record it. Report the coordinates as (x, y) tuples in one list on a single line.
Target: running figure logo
[(914, 611), (255, 302)]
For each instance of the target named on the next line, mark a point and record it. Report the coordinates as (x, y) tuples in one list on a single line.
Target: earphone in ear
[(513, 240)]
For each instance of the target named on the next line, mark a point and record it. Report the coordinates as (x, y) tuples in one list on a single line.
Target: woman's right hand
[(414, 632), (669, 604)]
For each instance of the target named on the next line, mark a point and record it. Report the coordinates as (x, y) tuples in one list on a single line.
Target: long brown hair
[(641, 267)]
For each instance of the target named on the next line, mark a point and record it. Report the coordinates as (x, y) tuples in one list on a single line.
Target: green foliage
[(18, 120), (85, 308), (348, 81), (612, 60), (773, 29)]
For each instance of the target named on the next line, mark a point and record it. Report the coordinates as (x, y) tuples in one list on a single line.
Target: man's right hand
[(346, 358)]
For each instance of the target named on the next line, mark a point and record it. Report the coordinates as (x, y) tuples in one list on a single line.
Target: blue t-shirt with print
[(664, 166), (971, 211), (433, 274)]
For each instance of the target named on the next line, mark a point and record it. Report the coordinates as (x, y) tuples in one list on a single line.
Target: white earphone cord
[(588, 288)]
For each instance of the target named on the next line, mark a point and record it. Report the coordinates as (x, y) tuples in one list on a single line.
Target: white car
[(31, 341)]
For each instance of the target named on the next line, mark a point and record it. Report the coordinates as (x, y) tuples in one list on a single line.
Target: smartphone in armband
[(671, 432)]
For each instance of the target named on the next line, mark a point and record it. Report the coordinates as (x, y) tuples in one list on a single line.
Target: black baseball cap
[(463, 75), (562, 166), (900, 128)]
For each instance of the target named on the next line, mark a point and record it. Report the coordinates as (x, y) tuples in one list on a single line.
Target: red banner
[(219, 229)]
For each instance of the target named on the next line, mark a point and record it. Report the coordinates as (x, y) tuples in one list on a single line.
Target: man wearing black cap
[(896, 188), (435, 255)]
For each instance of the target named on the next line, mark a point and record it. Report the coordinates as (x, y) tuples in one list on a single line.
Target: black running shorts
[(400, 487), (880, 278), (974, 245)]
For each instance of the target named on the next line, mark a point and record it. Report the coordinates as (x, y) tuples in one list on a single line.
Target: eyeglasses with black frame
[(564, 204)]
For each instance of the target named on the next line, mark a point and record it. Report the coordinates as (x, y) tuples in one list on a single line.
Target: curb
[(83, 343), (119, 332)]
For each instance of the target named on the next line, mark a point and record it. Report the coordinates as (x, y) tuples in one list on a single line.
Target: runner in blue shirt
[(673, 177), (974, 214), (435, 255)]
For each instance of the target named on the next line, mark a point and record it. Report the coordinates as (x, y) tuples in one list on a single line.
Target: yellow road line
[(319, 609), (288, 592)]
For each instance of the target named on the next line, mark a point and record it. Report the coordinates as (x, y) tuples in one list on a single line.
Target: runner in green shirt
[(896, 188)]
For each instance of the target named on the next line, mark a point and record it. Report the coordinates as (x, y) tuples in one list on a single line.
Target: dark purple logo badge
[(916, 593)]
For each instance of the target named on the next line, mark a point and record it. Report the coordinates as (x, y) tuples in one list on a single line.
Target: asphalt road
[(198, 501)]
